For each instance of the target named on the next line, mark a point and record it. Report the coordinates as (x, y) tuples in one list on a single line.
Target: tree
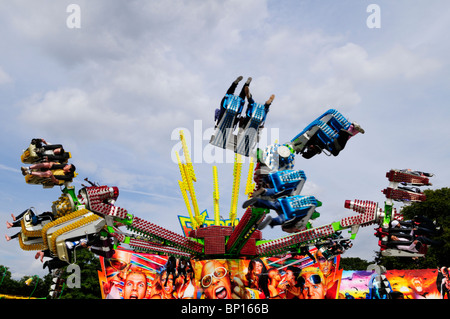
[(353, 263), (37, 288), (8, 286), (436, 207), (90, 286)]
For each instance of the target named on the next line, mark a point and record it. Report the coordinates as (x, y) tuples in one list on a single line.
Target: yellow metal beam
[(187, 185), (250, 185), (187, 156), (188, 204), (216, 197), (236, 184)]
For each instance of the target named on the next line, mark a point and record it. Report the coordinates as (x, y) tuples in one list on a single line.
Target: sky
[(115, 82)]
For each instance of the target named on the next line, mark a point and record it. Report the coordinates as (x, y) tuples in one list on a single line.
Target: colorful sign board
[(131, 275)]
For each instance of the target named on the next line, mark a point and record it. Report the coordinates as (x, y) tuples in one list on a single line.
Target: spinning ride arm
[(369, 215), (96, 199)]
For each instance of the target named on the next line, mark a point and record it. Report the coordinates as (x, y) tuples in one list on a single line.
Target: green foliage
[(38, 288), (8, 285), (90, 286), (353, 263)]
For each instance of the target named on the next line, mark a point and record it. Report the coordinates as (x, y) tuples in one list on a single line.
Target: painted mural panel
[(409, 284), (130, 275)]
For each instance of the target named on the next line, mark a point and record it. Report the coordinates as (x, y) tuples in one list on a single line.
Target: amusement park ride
[(92, 211)]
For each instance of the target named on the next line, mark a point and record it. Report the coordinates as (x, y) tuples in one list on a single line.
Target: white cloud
[(316, 98), (402, 62), (72, 111), (134, 73), (7, 168), (352, 61), (4, 77)]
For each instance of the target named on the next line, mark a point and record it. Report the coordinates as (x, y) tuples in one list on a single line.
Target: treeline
[(40, 287), (35, 288)]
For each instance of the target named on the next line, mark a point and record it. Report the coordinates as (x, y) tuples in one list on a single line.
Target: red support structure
[(241, 240), (98, 196), (281, 245), (160, 233), (361, 206), (239, 228), (366, 208), (399, 194), (397, 176), (215, 245), (157, 248), (214, 237)]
